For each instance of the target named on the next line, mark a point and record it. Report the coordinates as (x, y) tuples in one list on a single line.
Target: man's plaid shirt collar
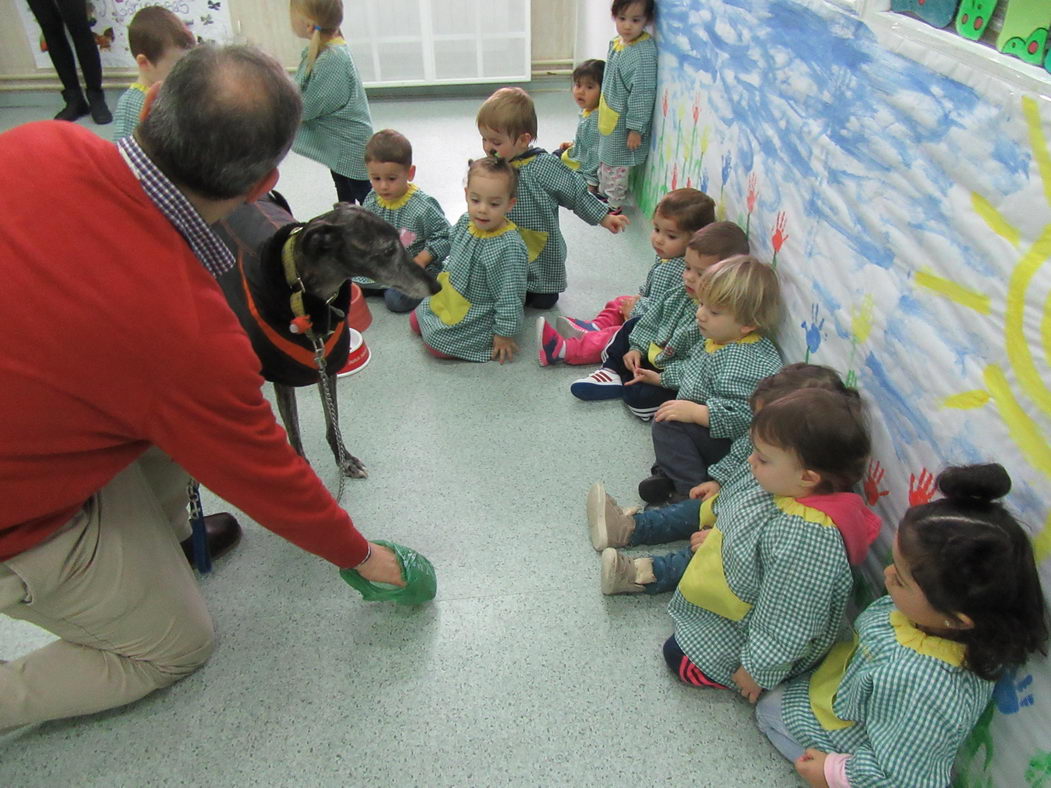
[(212, 253)]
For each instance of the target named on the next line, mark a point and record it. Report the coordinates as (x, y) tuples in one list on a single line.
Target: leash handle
[(202, 558)]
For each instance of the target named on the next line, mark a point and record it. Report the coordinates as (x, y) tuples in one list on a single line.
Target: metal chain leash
[(201, 557), (324, 382)]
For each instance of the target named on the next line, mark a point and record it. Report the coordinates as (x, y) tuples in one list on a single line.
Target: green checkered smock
[(911, 703), (543, 185), (336, 119), (723, 377), (665, 274), (734, 466), (421, 215), (129, 107), (583, 156), (487, 273), (670, 324), (788, 564), (629, 88)]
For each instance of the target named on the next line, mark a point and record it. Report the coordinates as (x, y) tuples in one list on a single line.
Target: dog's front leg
[(350, 465), (286, 406)]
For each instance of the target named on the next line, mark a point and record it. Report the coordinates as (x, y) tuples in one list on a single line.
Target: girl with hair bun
[(892, 706)]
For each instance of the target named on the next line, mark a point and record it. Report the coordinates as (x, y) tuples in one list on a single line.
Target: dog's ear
[(321, 239)]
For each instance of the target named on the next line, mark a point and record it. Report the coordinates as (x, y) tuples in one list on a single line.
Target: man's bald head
[(223, 119)]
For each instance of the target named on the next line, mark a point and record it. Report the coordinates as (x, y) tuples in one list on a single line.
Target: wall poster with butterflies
[(208, 20)]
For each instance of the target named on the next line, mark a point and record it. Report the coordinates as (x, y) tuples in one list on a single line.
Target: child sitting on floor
[(582, 154), (394, 198), (739, 299), (478, 311), (893, 705), (610, 526), (678, 217), (507, 124), (157, 39), (764, 595)]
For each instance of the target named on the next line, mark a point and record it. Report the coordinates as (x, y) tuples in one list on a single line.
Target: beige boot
[(608, 524), (623, 575)]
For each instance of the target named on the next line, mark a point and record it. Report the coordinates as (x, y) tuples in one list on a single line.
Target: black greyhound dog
[(325, 252)]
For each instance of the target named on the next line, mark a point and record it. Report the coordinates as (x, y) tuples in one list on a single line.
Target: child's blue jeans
[(670, 523), (768, 718)]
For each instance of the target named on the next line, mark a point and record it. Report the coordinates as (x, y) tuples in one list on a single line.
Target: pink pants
[(414, 324), (587, 349)]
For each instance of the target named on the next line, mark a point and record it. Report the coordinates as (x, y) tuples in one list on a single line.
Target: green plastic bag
[(421, 583)]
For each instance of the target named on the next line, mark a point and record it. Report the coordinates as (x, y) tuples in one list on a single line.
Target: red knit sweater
[(114, 338)]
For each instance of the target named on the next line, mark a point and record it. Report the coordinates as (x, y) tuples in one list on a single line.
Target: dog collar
[(301, 322)]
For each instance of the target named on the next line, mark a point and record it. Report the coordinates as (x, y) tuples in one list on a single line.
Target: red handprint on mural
[(696, 114), (872, 483), (675, 176), (780, 236), (753, 181), (921, 489), (664, 104)]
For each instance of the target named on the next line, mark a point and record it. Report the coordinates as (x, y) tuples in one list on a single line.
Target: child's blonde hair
[(509, 111), (747, 288), (327, 16)]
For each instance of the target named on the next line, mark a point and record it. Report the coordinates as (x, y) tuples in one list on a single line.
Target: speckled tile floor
[(520, 672)]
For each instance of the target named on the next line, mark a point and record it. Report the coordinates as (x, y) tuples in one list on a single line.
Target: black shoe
[(223, 533), (76, 105), (99, 111), (657, 488)]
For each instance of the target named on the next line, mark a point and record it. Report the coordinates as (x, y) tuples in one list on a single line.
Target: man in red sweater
[(120, 366)]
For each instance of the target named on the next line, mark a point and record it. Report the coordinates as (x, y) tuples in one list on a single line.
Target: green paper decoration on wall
[(935, 12), (973, 17), (1025, 30)]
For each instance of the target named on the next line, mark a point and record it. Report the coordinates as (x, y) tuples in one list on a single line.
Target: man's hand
[(643, 375), (504, 348), (382, 566), (634, 140), (705, 490), (614, 222), (811, 767), (683, 410), (697, 538), (627, 306), (746, 685)]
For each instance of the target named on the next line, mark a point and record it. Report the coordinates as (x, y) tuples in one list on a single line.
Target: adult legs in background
[(115, 587), (350, 190)]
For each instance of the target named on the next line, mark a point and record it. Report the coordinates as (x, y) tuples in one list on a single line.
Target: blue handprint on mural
[(1011, 694), (813, 332), (727, 163)]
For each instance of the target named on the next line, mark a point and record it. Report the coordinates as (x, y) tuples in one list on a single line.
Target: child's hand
[(634, 140), (423, 259), (632, 359), (705, 490), (697, 538), (682, 410), (593, 188), (643, 375), (746, 684), (504, 348), (627, 306), (811, 767), (614, 222), (565, 146)]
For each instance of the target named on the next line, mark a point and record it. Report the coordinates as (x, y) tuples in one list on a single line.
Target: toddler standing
[(629, 88), (157, 38), (478, 311), (394, 198), (507, 124), (893, 705), (336, 122), (582, 154)]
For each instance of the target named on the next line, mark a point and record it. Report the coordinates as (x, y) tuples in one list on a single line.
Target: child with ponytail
[(892, 706)]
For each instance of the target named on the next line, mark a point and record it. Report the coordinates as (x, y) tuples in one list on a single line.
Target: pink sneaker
[(550, 346), (571, 327)]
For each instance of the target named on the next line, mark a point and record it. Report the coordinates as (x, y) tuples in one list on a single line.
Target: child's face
[(159, 71), (908, 596), (488, 200), (667, 239), (778, 471), (389, 179), (631, 22), (501, 144), (696, 265), (719, 324), (301, 26), (586, 92)]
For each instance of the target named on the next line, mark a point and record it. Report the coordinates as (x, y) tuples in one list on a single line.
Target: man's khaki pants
[(114, 585)]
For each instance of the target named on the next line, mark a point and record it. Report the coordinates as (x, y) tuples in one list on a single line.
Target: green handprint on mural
[(1038, 774), (970, 773), (973, 17), (1030, 49)]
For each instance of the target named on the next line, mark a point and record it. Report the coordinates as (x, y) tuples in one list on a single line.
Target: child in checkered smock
[(395, 199), (581, 154), (478, 311), (629, 88), (507, 123), (611, 526), (336, 122), (764, 595), (892, 706)]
